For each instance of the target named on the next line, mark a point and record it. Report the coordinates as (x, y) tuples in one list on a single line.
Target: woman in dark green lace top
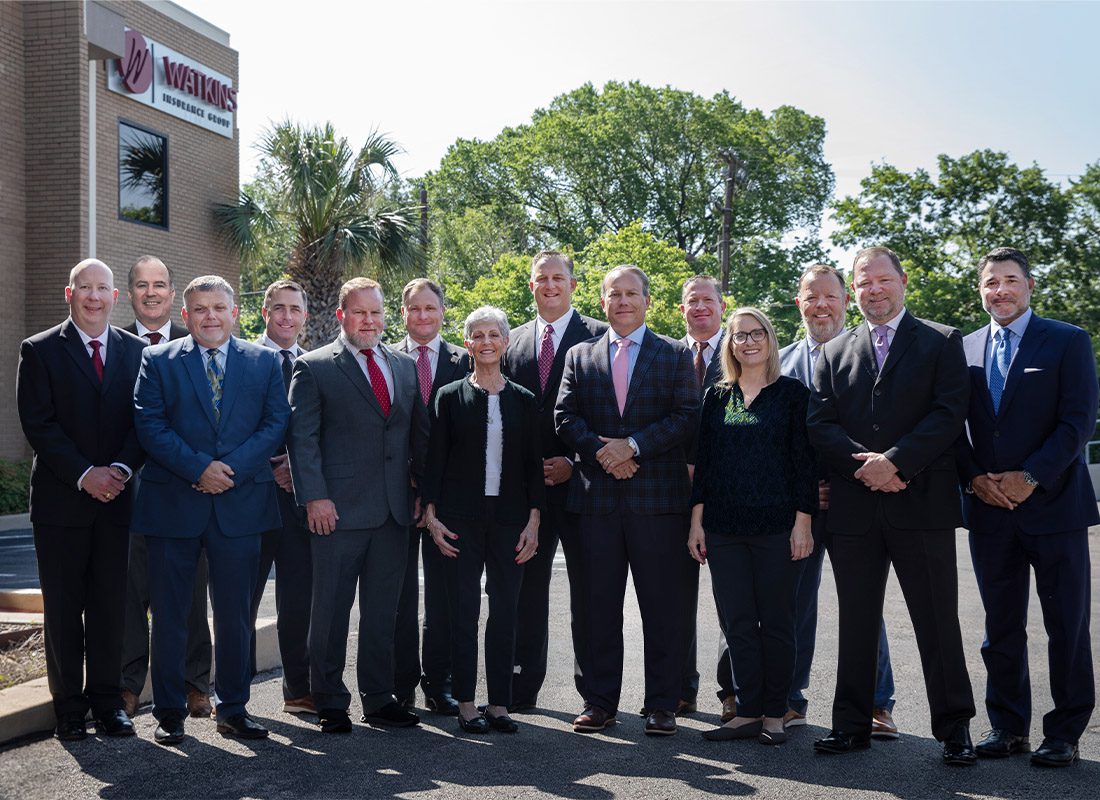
[(754, 493)]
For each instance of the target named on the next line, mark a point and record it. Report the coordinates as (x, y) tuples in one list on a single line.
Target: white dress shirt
[(164, 330), (382, 362), (560, 324), (434, 346), (1017, 327), (712, 346)]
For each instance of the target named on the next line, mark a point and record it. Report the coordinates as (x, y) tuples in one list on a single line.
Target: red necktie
[(546, 356), (424, 373), (377, 382), (700, 364), (154, 337), (97, 359)]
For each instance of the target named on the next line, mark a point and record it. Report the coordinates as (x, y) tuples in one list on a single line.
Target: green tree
[(940, 228), (600, 160), (334, 203)]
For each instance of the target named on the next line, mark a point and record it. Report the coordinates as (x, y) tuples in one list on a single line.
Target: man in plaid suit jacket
[(628, 406)]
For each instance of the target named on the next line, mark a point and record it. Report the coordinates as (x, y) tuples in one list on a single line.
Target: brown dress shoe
[(660, 723), (882, 725), (198, 704), (130, 703), (592, 719), (729, 708)]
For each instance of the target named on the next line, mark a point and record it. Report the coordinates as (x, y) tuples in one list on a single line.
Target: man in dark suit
[(822, 301), (287, 547), (1028, 503), (628, 406), (702, 307), (357, 434), (535, 360), (152, 292), (889, 399), (74, 390), (210, 412), (437, 364)]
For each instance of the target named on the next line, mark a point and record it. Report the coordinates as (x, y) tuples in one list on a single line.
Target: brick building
[(118, 138)]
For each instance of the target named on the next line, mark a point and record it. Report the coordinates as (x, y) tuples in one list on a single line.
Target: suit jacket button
[(874, 427), (878, 392), (996, 434), (389, 458)]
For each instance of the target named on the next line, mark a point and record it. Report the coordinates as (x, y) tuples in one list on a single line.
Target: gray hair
[(208, 283), (482, 315)]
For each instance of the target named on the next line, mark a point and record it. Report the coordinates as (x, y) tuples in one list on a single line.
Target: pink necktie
[(546, 356), (620, 372), (424, 372)]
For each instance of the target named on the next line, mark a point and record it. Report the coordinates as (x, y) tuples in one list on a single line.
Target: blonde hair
[(731, 368)]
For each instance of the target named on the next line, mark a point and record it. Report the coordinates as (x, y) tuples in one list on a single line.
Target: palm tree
[(331, 199)]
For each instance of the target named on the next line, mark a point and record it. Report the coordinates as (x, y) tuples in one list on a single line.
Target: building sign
[(157, 76)]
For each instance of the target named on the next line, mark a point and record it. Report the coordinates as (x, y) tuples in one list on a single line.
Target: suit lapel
[(865, 349), (195, 363), (1031, 343), (903, 337), (113, 365), (601, 357), (975, 346), (347, 362), (231, 380), (446, 366), (641, 367), (575, 332), (79, 352)]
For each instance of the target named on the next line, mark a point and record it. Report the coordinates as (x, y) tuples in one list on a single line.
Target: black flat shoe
[(70, 728), (502, 724), (391, 715), (999, 743), (169, 729), (242, 726), (334, 720), (747, 730), (1054, 753), (839, 742), (114, 723), (476, 725), (958, 750)]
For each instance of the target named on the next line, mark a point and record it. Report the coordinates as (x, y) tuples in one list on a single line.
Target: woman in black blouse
[(754, 492), (483, 494)]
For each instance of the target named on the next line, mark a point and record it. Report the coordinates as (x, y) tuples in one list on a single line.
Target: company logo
[(136, 67)]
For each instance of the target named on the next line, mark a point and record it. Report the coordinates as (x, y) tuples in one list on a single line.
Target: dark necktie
[(377, 381), (998, 369), (700, 364), (214, 374), (882, 344), (424, 372), (154, 337), (546, 357), (288, 367), (97, 359)]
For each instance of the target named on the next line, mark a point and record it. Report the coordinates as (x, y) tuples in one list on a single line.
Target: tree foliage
[(940, 227)]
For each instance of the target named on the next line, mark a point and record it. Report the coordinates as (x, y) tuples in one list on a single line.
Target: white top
[(494, 447), (164, 330), (560, 324), (434, 346)]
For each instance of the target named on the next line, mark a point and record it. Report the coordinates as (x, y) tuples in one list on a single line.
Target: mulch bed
[(22, 660)]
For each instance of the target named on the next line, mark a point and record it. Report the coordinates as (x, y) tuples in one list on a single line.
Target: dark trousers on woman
[(483, 545), (754, 583)]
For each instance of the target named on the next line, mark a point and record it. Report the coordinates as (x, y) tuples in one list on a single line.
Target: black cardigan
[(455, 479)]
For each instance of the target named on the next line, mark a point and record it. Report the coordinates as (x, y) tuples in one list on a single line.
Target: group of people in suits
[(873, 443)]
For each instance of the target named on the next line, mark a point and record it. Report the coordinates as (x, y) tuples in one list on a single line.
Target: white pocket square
[(1032, 369)]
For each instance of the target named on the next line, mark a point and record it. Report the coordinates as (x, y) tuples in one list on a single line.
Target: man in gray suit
[(822, 300), (358, 426)]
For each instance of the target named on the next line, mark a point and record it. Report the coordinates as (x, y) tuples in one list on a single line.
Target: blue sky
[(896, 82)]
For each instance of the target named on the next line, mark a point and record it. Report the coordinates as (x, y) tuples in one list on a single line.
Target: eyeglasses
[(757, 335)]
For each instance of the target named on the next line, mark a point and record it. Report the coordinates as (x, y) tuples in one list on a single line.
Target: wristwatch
[(1029, 479)]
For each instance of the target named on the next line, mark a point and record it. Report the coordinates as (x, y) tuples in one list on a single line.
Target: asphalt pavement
[(546, 759)]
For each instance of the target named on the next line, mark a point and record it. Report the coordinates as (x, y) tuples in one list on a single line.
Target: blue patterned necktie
[(998, 368), (214, 374)]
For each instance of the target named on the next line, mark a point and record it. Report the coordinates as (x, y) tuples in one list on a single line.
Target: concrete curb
[(27, 708), (14, 522)]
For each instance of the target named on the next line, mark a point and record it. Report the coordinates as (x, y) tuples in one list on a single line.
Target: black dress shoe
[(391, 715), (70, 728), (999, 743), (838, 742), (114, 723), (442, 703), (169, 729), (476, 725), (1054, 753), (501, 724), (958, 750), (242, 726), (334, 720)]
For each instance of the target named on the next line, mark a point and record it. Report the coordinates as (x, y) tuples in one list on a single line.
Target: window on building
[(142, 175)]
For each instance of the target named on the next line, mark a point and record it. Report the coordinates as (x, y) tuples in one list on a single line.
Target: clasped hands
[(1002, 489), (617, 458), (104, 483), (878, 473), (215, 479)]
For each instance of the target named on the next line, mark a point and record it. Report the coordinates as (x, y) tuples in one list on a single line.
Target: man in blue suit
[(210, 410), (822, 301), (1028, 503)]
